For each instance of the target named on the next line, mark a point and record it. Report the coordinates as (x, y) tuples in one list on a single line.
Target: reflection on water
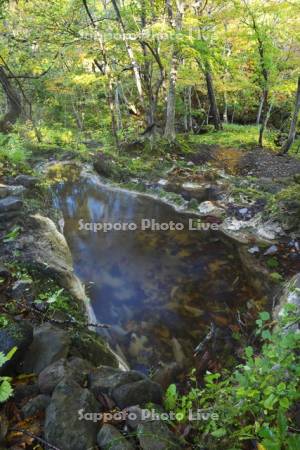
[(158, 290)]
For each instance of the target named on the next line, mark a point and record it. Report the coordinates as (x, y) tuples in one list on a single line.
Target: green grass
[(235, 136)]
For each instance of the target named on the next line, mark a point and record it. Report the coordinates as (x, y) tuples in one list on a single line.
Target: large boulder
[(109, 438), (105, 379), (14, 334), (42, 245), (137, 393), (90, 346), (75, 369), (6, 190), (49, 345), (64, 426)]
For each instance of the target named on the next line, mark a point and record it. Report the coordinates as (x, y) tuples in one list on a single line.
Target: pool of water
[(159, 290)]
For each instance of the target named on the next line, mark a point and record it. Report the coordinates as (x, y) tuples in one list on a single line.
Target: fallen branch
[(71, 321), (37, 438)]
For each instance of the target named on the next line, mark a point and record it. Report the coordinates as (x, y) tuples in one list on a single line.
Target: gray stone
[(20, 288), (90, 346), (14, 334), (109, 438), (4, 272), (36, 405), (27, 180), (271, 250), (25, 390), (49, 345), (75, 369), (156, 435), (105, 379), (6, 190), (64, 426), (137, 393), (10, 204), (135, 417)]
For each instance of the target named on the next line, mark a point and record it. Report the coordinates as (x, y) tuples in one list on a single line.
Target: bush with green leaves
[(6, 389), (256, 401), (13, 149)]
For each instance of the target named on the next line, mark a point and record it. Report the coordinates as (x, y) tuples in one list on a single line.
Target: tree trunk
[(130, 53), (212, 100), (170, 132), (293, 128), (260, 108), (264, 116), (13, 103)]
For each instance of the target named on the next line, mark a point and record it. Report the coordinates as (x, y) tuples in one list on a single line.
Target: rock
[(254, 249), (109, 438), (10, 204), (156, 435), (75, 369), (43, 246), (14, 334), (49, 345), (20, 288), (135, 417), (64, 427), (137, 393), (271, 250), (90, 346), (27, 180), (289, 215), (105, 379), (103, 165), (243, 211), (208, 207), (4, 272), (6, 190), (36, 405)]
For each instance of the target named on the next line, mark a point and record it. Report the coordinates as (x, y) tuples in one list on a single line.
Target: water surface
[(159, 290)]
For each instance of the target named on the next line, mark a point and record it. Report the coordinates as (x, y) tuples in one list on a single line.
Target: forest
[(149, 224)]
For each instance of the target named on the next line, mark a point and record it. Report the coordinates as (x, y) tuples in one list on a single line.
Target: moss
[(90, 346)]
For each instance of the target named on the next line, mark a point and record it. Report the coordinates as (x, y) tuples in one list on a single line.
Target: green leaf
[(5, 389), (220, 432), (249, 352), (264, 316)]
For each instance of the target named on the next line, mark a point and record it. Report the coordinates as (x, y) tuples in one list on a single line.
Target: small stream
[(159, 290)]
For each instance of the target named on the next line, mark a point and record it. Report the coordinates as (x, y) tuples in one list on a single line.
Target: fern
[(5, 386)]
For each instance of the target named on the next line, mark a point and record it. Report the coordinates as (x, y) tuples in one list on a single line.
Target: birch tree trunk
[(293, 128)]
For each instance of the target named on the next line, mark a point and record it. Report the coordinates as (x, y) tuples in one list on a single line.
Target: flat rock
[(36, 405), (75, 369), (26, 180), (156, 435), (63, 426), (10, 204), (49, 345), (105, 379), (6, 190), (137, 393), (109, 438)]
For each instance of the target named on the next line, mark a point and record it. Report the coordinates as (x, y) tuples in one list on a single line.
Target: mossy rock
[(91, 347)]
